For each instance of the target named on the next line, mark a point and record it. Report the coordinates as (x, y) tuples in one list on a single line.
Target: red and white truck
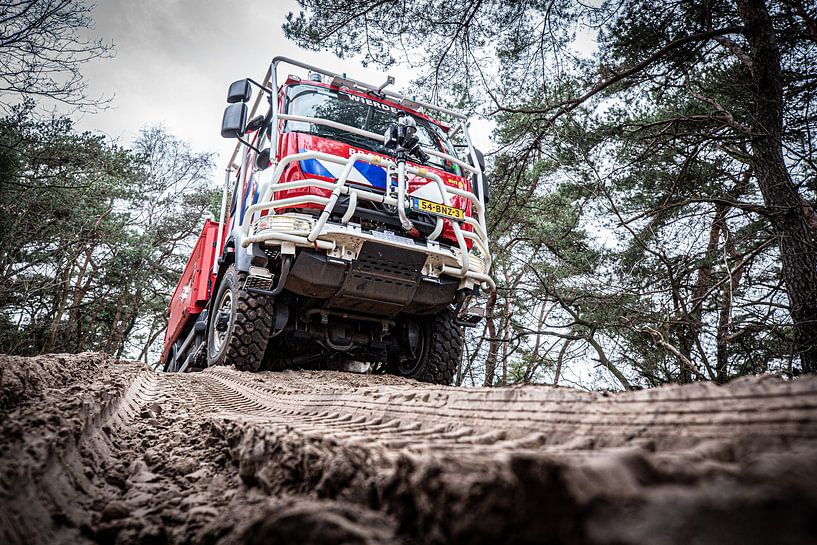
[(352, 229)]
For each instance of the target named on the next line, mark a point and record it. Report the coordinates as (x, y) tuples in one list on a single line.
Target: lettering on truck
[(370, 102)]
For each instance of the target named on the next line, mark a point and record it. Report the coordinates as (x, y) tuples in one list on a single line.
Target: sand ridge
[(100, 451)]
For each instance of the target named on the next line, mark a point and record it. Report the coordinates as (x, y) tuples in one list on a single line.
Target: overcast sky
[(175, 59)]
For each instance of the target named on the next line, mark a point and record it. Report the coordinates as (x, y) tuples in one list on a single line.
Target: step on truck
[(352, 233)]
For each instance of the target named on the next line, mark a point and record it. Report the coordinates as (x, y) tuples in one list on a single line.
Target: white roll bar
[(268, 203)]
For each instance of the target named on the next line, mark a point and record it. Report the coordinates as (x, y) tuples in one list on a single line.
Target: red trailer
[(192, 293)]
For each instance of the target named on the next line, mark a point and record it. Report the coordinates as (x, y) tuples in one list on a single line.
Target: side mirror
[(487, 186), (255, 123), (481, 163), (240, 91), (234, 121), (262, 159), (480, 159)]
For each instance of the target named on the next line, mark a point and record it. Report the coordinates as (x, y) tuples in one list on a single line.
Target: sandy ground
[(98, 451)]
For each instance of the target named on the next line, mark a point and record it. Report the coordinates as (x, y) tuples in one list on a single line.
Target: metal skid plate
[(383, 279)]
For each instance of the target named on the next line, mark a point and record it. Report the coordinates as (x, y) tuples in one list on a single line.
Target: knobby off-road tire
[(246, 336), (442, 349)]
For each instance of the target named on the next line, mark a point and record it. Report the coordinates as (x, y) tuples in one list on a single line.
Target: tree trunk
[(472, 357), (692, 329), (506, 331), (798, 252), (125, 333), (59, 308), (151, 338), (81, 287), (114, 326), (723, 336), (535, 358), (607, 363), (493, 342), (558, 372)]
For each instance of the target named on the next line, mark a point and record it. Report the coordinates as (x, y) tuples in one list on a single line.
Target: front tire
[(240, 326), (438, 354)]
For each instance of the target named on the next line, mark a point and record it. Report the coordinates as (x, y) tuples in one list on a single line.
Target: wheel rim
[(224, 305), (413, 358)]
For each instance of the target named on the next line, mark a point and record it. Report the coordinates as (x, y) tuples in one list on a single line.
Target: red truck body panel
[(293, 142), (193, 290)]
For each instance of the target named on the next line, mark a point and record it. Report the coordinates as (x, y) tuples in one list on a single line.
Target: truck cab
[(350, 231)]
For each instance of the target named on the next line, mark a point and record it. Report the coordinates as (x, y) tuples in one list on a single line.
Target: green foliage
[(630, 232), (93, 236), (684, 284)]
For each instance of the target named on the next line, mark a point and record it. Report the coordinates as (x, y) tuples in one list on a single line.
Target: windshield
[(362, 113)]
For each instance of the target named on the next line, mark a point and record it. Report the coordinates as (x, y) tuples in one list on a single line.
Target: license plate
[(436, 209)]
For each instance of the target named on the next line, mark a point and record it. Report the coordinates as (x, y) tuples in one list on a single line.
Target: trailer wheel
[(240, 326), (172, 358), (436, 353)]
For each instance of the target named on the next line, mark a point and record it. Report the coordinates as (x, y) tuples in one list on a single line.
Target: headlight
[(284, 223)]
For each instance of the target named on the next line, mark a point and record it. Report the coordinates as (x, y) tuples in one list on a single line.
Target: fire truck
[(352, 232)]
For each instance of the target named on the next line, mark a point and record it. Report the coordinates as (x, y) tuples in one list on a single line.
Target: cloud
[(175, 59)]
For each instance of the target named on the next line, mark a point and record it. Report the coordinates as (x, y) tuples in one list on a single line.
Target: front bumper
[(343, 239), (345, 242)]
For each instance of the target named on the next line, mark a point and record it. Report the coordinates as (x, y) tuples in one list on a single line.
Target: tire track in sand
[(101, 452), (528, 464)]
